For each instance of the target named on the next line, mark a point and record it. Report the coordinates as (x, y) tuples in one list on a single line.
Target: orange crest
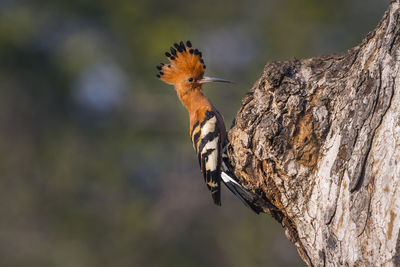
[(185, 64)]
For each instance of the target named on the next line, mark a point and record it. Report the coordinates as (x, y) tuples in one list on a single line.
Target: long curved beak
[(211, 79)]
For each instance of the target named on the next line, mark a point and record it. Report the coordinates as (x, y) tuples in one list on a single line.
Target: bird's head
[(185, 70)]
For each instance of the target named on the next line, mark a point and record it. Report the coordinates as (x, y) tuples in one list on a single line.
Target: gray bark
[(317, 141)]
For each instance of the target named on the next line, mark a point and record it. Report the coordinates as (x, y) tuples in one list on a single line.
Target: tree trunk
[(317, 141)]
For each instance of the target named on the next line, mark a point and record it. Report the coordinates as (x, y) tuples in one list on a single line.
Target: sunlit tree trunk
[(318, 142)]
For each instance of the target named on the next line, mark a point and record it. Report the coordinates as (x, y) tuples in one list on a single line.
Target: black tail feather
[(245, 196), (217, 197), (229, 179)]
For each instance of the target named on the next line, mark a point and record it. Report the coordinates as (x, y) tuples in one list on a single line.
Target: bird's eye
[(190, 79)]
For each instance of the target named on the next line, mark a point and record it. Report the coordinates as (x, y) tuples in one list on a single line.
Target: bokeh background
[(96, 164)]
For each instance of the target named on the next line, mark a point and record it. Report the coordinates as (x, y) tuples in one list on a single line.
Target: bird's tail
[(242, 193), (216, 196)]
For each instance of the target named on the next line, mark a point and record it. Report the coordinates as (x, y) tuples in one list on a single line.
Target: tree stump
[(317, 141)]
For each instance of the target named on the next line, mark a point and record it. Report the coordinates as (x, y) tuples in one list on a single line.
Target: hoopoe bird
[(207, 128)]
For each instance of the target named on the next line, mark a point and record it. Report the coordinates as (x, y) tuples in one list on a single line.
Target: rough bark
[(318, 142)]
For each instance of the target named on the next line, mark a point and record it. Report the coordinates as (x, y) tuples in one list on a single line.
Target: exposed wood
[(318, 141)]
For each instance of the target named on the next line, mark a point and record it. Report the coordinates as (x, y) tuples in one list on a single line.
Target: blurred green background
[(97, 168)]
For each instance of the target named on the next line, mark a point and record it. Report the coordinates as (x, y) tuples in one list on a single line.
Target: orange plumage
[(186, 63), (207, 129)]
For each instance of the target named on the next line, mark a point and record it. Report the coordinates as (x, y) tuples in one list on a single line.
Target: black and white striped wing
[(206, 140)]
